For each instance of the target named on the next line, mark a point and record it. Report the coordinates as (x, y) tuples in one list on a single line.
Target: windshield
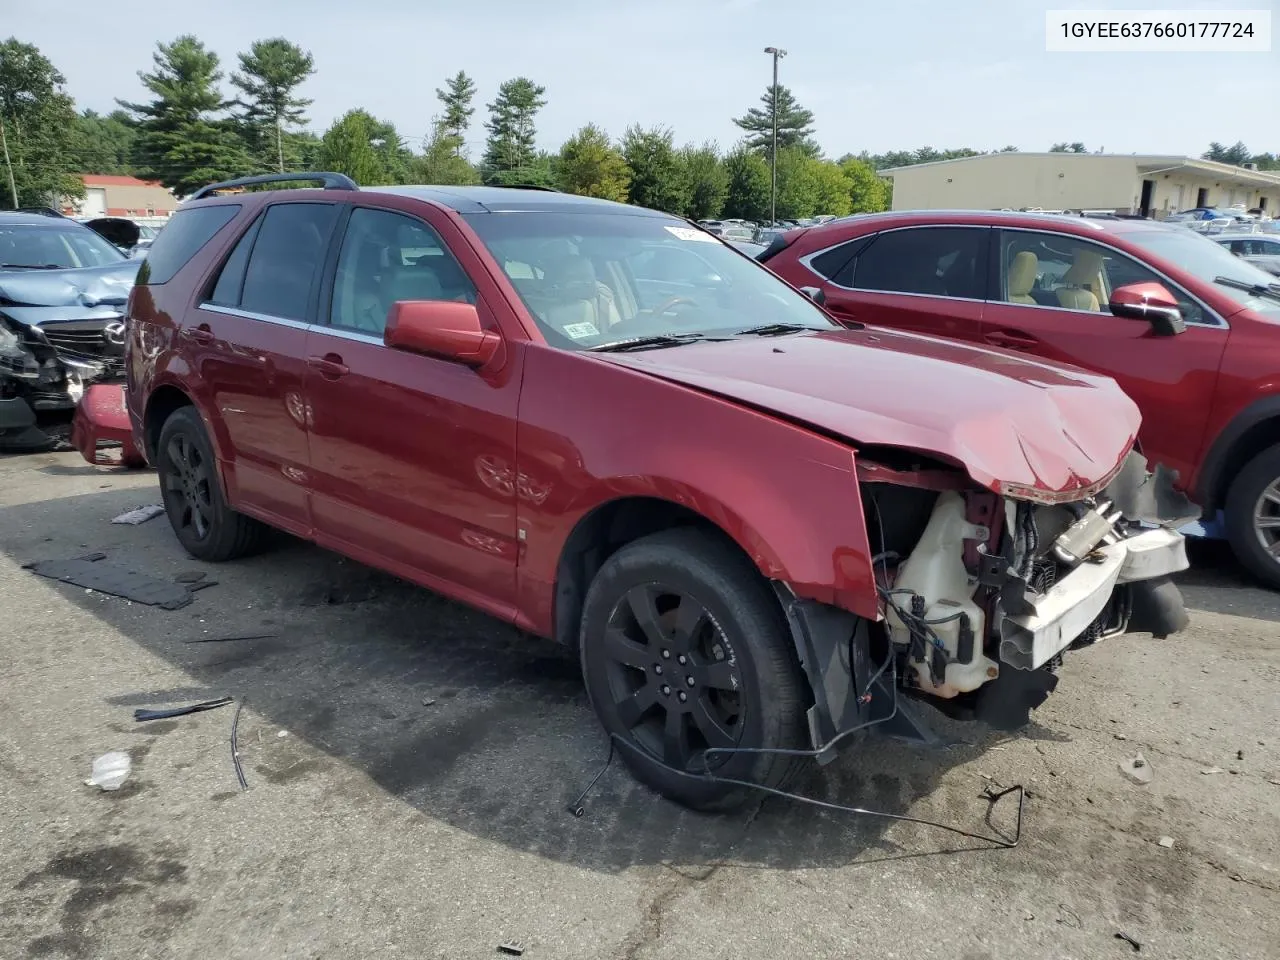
[(46, 246), (591, 279), (1205, 259)]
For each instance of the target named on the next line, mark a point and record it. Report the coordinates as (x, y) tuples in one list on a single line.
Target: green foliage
[(657, 175), (868, 193), (795, 124), (38, 129), (103, 144), (1238, 155), (269, 76), (708, 181), (347, 147), (442, 161), (181, 141), (1064, 147), (808, 186), (590, 165), (747, 197), (459, 91), (511, 125), (538, 172)]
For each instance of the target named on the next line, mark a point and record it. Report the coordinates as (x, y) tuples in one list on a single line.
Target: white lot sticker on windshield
[(577, 331), (688, 233)]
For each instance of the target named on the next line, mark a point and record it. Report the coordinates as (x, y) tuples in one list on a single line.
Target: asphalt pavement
[(409, 763)]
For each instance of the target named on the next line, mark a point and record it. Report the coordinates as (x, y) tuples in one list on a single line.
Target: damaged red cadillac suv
[(759, 529)]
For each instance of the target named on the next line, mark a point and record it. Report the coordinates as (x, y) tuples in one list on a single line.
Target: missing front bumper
[(1029, 641)]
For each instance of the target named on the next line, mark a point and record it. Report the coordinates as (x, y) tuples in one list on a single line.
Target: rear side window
[(286, 258), (933, 261), (181, 239), (836, 264)]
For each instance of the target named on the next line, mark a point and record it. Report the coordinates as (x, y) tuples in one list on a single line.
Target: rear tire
[(713, 665), (1253, 515), (193, 499)]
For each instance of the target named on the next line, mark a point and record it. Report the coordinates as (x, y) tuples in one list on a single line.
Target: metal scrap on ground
[(140, 515)]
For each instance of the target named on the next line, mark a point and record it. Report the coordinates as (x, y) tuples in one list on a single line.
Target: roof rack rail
[(530, 186), (331, 181)]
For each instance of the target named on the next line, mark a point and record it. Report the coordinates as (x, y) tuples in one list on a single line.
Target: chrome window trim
[(1208, 310), (807, 259), (250, 315), (345, 334)]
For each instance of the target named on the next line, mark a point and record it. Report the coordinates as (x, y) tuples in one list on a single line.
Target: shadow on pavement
[(462, 717), (1216, 583)]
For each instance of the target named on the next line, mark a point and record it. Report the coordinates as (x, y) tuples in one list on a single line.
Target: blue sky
[(878, 76)]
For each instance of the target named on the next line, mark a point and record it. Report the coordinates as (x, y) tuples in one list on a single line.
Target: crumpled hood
[(1011, 422), (80, 287)]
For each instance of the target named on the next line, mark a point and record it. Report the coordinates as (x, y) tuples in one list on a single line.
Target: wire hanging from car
[(990, 794)]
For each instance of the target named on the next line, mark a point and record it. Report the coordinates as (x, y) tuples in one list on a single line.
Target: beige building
[(1153, 185)]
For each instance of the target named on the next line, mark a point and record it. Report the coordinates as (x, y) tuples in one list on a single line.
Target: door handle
[(1011, 339), (330, 366), (201, 334)]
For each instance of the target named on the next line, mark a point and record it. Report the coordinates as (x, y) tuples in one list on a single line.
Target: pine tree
[(794, 124), (512, 134), (460, 91), (270, 73), (180, 141)]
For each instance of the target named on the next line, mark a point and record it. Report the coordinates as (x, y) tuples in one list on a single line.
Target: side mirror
[(1150, 302), (815, 294), (447, 329)]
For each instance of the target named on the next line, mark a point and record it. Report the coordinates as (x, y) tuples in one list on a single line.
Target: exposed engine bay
[(983, 594)]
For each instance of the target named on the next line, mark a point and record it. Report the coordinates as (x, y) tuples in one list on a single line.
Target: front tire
[(1253, 516), (193, 499), (683, 647)]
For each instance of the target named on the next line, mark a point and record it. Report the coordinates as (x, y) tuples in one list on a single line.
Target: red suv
[(1191, 332), (760, 530)]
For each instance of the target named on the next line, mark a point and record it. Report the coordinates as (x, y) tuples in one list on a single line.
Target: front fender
[(592, 432)]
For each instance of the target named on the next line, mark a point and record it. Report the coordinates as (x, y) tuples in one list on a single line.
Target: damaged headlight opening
[(982, 594)]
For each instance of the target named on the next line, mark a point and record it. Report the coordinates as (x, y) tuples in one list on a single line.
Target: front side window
[(286, 258), (595, 279), (54, 247), (933, 261), (387, 257), (1056, 270)]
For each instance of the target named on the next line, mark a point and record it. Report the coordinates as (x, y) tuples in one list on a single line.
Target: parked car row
[(760, 524)]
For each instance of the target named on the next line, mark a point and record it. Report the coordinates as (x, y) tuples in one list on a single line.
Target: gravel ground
[(409, 764)]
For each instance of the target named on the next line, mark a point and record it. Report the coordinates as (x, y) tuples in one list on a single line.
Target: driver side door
[(1050, 300)]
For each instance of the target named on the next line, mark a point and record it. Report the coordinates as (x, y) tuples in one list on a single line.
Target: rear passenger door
[(928, 279), (413, 457), (249, 338)]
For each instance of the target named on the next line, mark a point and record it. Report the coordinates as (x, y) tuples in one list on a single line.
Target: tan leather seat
[(573, 295), (1081, 281), (1022, 278)]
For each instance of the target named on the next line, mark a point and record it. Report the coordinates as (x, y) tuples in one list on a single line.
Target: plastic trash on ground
[(110, 770), (140, 515)]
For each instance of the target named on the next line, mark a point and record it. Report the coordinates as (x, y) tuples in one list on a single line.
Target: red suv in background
[(1191, 332), (759, 529)]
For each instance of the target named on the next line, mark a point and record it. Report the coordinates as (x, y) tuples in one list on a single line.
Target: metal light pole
[(777, 54)]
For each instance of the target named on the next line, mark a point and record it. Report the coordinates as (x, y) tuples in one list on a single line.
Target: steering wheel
[(673, 302)]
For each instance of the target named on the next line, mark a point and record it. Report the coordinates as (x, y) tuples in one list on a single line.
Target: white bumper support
[(1066, 610)]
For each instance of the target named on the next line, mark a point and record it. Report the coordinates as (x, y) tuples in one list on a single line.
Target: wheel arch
[(1252, 430), (607, 528), (164, 400)]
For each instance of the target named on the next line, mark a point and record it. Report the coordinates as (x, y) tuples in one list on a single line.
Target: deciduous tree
[(749, 185), (708, 181), (590, 165), (657, 176), (37, 129)]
